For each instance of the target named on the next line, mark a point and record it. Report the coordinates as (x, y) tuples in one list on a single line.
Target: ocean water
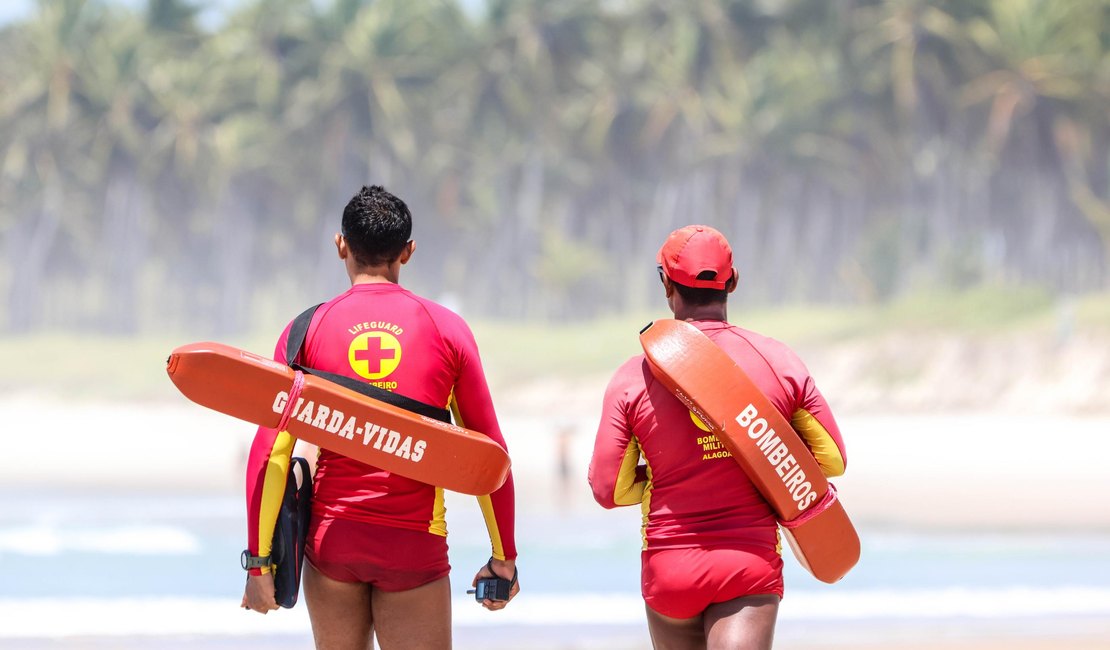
[(154, 561), (103, 565)]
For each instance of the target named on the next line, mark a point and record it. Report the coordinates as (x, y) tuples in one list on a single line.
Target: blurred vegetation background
[(163, 175)]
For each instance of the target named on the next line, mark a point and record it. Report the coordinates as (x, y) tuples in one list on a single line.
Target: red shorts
[(683, 582), (390, 559)]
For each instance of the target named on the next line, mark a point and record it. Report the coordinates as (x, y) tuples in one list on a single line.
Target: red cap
[(693, 250)]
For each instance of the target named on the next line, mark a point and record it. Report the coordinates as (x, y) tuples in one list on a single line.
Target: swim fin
[(290, 534)]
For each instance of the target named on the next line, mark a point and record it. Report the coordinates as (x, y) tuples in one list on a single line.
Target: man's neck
[(703, 312), (375, 275)]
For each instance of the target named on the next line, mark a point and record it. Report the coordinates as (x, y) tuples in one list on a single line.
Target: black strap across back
[(297, 333)]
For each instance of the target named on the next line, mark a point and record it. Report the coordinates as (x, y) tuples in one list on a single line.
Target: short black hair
[(376, 225), (700, 295)]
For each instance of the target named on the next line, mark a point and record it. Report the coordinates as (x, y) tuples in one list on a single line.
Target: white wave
[(49, 540), (39, 618), (951, 602)]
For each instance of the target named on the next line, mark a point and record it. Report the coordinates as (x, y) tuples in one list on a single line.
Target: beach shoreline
[(1074, 634), (958, 478), (924, 471)]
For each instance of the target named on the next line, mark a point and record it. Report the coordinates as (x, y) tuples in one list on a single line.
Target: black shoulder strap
[(297, 333)]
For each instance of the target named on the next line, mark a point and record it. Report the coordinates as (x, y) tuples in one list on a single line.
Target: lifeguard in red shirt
[(376, 555), (711, 561)]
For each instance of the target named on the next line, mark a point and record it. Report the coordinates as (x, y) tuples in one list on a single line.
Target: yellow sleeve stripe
[(438, 524), (486, 504), (645, 505), (454, 408), (273, 491), (817, 437), (627, 491)]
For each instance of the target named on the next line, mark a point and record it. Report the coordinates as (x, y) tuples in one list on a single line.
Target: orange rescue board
[(256, 389), (710, 383)]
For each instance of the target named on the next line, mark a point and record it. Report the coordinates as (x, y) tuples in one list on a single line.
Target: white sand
[(977, 470)]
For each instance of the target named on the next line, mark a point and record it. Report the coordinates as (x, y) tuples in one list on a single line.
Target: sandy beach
[(961, 475), (965, 471)]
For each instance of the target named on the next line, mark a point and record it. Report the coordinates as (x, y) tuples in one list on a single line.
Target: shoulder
[(633, 366), (453, 329), (632, 376), (320, 310), (442, 315), (778, 354), (759, 341)]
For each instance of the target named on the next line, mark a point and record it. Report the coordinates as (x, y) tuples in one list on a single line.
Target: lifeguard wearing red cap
[(691, 251)]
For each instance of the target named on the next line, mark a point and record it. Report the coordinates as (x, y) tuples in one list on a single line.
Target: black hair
[(376, 225), (699, 296)]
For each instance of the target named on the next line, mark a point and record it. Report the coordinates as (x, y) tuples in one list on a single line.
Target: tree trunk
[(122, 246), (29, 248)]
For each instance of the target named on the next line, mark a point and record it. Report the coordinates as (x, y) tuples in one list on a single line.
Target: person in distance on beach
[(711, 565), (376, 556)]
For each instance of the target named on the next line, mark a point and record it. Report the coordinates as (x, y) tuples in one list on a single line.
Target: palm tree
[(116, 75), (1041, 75), (877, 144), (43, 125)]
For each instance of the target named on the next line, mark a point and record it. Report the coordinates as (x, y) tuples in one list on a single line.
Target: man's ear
[(407, 251), (732, 283), (668, 285), (341, 246)]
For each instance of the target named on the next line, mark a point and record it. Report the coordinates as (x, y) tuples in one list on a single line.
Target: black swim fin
[(290, 534)]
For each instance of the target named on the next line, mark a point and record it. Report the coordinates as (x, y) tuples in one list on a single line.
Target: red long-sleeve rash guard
[(691, 491), (383, 334)]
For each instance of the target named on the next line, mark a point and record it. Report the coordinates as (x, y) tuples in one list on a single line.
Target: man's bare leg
[(675, 633), (746, 623), (340, 612), (416, 619)]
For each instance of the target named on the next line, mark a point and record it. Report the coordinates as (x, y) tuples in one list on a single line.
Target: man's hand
[(259, 593), (502, 569)]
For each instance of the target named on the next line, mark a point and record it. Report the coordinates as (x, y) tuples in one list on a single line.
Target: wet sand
[(1074, 635)]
